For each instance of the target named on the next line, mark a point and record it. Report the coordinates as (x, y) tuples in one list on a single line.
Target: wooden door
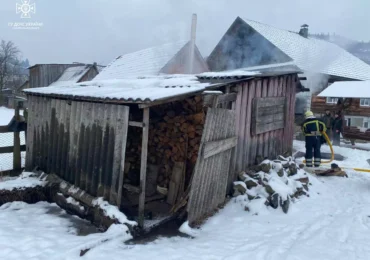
[(210, 180)]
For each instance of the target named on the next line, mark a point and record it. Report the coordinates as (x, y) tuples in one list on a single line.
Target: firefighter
[(312, 128)]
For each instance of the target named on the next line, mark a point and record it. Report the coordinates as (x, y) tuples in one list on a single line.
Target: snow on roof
[(230, 73), (131, 89), (348, 89), (284, 66), (141, 63), (314, 55), (71, 75)]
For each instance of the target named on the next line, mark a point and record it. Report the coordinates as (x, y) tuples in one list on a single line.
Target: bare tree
[(9, 62)]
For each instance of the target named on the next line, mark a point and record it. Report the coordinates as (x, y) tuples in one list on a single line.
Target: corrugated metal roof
[(71, 75), (140, 63), (141, 90), (249, 73), (277, 67), (314, 55)]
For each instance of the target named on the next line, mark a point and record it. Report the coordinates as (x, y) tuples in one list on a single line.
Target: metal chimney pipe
[(192, 43)]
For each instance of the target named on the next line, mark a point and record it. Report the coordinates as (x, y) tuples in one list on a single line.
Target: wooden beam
[(17, 164), (136, 124), (216, 147), (227, 98), (9, 149), (5, 129), (123, 161), (144, 155)]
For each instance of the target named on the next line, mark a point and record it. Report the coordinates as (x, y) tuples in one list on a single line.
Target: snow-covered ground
[(365, 146), (7, 139), (333, 223), (353, 157)]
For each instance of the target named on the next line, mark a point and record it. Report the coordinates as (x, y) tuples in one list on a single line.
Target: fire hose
[(331, 148), (332, 156)]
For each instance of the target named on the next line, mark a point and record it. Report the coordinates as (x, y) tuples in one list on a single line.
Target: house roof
[(141, 63), (314, 55), (347, 89), (71, 75)]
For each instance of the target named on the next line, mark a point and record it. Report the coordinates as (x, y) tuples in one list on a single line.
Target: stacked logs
[(175, 133)]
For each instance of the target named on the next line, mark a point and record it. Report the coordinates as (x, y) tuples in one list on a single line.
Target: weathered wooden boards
[(264, 133), (175, 185), (82, 142), (268, 114), (216, 147), (356, 133), (209, 183)]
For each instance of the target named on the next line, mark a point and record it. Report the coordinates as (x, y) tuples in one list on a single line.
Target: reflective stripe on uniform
[(317, 123)]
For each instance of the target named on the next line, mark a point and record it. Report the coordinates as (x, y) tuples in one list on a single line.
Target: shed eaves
[(144, 62), (147, 89), (314, 55)]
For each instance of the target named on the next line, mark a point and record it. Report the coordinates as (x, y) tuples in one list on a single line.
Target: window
[(365, 123), (348, 122), (365, 102), (331, 100)]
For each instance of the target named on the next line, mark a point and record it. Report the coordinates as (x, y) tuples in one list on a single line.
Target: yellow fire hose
[(331, 148), (332, 156)]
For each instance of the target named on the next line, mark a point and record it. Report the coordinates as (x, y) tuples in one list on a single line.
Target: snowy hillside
[(332, 224)]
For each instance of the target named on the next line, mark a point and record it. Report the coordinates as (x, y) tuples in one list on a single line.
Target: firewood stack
[(174, 136)]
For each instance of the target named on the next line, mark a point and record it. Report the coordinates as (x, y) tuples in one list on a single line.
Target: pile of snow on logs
[(272, 183)]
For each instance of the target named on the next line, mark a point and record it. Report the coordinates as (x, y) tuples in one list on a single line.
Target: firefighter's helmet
[(308, 114)]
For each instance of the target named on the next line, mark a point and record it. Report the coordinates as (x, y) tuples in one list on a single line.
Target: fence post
[(17, 144)]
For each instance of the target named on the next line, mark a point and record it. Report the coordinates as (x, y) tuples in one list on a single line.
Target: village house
[(353, 98), (249, 44), (18, 98)]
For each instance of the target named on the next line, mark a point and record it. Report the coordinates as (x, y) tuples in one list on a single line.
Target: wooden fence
[(15, 126)]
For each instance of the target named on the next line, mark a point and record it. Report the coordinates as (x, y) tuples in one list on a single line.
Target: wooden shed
[(132, 140), (43, 75)]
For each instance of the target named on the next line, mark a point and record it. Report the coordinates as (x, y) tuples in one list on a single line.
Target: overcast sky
[(100, 30)]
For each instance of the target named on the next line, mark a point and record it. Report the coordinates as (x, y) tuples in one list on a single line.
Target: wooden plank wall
[(210, 180), (269, 144), (82, 142), (268, 114), (319, 106), (45, 74)]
